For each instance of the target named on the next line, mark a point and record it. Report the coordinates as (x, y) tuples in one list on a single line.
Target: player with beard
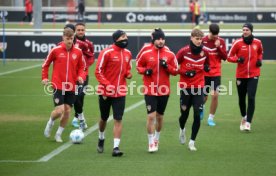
[(193, 60), (247, 52), (87, 48), (156, 63)]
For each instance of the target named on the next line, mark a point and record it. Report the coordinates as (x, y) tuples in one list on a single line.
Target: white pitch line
[(89, 131), (20, 69), (17, 161)]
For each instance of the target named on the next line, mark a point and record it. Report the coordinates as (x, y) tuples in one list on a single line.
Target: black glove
[(163, 63), (206, 68), (240, 60), (80, 89), (259, 63), (148, 72), (190, 73)]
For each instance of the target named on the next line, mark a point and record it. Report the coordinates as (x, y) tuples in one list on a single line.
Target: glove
[(240, 60), (148, 72), (80, 89), (163, 63), (190, 73), (259, 63), (206, 68)]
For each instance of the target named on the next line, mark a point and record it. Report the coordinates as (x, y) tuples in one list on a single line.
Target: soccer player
[(247, 52), (148, 46), (217, 52), (28, 12), (195, 8), (156, 64), (112, 69), (68, 68), (193, 60), (87, 48)]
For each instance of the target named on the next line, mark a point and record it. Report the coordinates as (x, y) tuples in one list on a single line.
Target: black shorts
[(190, 98), (118, 107), (213, 83), (156, 103), (61, 97)]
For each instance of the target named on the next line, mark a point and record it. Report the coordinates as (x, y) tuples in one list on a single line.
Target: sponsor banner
[(149, 17), (63, 16), (145, 17), (33, 47)]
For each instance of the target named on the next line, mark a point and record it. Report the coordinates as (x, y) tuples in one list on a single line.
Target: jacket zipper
[(122, 59), (158, 55), (67, 66), (248, 64)]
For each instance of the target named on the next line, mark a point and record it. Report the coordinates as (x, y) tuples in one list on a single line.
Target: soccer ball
[(76, 136)]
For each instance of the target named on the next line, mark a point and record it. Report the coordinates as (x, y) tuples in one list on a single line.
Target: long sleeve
[(81, 68), (141, 65), (260, 52), (222, 50), (173, 66), (46, 65), (207, 60), (179, 58), (129, 66), (232, 57), (100, 68), (90, 54)]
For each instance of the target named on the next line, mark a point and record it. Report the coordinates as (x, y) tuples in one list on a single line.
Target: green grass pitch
[(222, 150)]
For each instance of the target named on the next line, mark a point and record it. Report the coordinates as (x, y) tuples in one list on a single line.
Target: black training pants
[(247, 86), (191, 97)]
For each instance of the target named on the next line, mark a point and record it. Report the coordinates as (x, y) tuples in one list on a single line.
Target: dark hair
[(214, 29), (157, 34), (71, 26), (80, 24)]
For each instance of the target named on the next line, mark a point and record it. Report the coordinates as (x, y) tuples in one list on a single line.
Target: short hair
[(80, 24), (214, 29), (197, 33), (70, 25), (68, 32)]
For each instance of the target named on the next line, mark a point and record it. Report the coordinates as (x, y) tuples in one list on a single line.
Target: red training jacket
[(28, 6), (113, 66), (188, 62), (87, 48), (216, 54), (158, 83), (68, 65), (147, 46), (251, 53)]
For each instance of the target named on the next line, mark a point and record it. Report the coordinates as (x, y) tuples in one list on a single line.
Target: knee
[(67, 111), (59, 110), (251, 98), (159, 116), (197, 112), (151, 117)]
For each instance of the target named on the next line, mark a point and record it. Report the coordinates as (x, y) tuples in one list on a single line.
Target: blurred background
[(150, 3), (33, 27)]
